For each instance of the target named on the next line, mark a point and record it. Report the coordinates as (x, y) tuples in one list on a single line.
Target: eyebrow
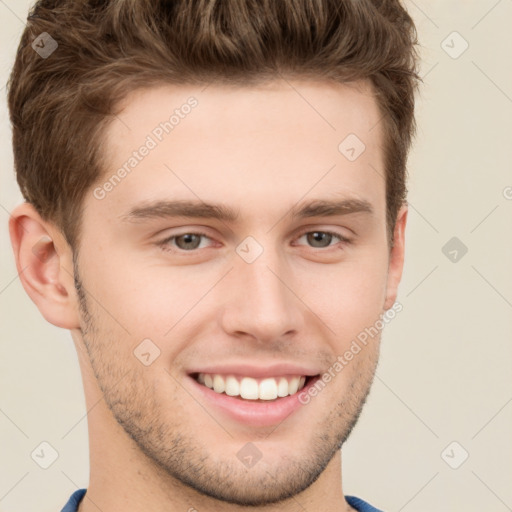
[(200, 209)]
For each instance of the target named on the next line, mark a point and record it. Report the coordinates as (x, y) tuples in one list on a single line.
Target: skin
[(260, 150)]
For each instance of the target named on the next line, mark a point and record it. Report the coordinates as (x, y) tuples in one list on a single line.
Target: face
[(241, 250)]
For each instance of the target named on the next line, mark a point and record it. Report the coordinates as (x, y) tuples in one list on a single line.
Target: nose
[(260, 300)]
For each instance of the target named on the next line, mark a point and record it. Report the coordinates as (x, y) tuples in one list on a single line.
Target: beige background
[(445, 371)]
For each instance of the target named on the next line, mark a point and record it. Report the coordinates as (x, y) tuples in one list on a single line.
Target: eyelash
[(164, 244)]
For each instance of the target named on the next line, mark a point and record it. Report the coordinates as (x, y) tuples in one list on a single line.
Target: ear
[(45, 266), (396, 258)]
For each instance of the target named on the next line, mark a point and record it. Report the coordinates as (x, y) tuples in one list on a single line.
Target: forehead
[(246, 145)]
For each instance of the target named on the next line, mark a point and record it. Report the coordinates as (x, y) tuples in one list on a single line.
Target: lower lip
[(248, 412)]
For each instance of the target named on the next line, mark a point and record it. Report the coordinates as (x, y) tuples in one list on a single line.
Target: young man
[(215, 208)]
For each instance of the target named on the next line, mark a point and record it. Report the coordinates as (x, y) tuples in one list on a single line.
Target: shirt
[(357, 503)]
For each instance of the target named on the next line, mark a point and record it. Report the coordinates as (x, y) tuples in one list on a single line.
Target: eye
[(189, 242), (322, 239), (184, 242)]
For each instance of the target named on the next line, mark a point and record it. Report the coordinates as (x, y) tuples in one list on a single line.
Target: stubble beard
[(179, 456)]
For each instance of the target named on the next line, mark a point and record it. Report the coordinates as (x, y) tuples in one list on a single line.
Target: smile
[(249, 388), (254, 396)]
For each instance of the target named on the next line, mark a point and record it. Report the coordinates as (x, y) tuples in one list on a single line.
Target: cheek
[(347, 297), (142, 299)]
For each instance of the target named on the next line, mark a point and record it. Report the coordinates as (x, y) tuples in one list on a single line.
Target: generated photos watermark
[(357, 344), (153, 139)]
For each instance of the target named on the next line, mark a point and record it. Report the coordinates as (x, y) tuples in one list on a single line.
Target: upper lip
[(249, 370)]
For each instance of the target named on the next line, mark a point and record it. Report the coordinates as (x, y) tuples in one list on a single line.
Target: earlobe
[(396, 258), (44, 265)]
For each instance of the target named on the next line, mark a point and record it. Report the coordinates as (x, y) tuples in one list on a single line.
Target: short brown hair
[(60, 105)]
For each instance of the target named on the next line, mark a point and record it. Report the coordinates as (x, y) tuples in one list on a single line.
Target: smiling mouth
[(249, 388)]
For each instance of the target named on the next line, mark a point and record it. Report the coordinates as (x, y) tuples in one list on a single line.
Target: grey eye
[(188, 241)]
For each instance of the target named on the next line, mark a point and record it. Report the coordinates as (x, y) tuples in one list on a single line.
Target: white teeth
[(293, 386), (218, 384), (232, 386), (282, 387), (208, 381), (268, 389), (251, 389)]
